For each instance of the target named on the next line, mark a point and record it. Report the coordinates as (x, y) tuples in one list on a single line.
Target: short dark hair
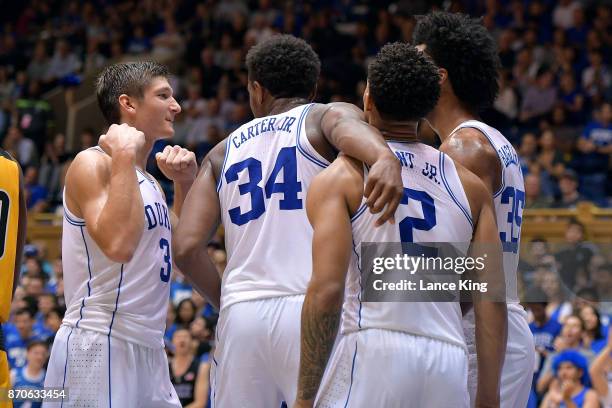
[(24, 310), (130, 78), (404, 83), (35, 343), (285, 65), (464, 47)]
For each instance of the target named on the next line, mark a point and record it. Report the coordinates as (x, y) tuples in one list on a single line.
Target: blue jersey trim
[(352, 376), (88, 281), (81, 224), (72, 220), (360, 211), (503, 183), (110, 328), (450, 192), (227, 149), (299, 146), (360, 287), (66, 364)]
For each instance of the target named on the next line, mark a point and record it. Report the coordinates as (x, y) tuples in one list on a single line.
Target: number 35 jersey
[(434, 208), (269, 165), (509, 202), (127, 301)]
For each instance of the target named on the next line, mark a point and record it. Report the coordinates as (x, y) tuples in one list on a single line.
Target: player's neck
[(397, 130), (447, 115), (281, 105)]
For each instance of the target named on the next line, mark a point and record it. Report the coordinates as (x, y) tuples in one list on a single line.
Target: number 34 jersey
[(127, 301), (269, 165), (434, 208)]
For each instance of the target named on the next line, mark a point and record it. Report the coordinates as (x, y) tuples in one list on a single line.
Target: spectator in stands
[(18, 334), (185, 313), (53, 166), (22, 148), (36, 194), (533, 193), (38, 67), (94, 60), (170, 43), (139, 43), (550, 161), (53, 321), (595, 147), (87, 139), (571, 385), (570, 339), (577, 35), (571, 98), (32, 375), (187, 374), (64, 65), (543, 328), (528, 151), (539, 98), (568, 187), (596, 77), (594, 333), (575, 258), (602, 281), (563, 13)]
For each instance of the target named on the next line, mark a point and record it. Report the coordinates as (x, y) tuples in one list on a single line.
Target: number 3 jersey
[(269, 165), (509, 202), (126, 301), (434, 208)]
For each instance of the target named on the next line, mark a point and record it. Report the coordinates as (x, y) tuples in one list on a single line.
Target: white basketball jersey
[(127, 301), (434, 209), (268, 167), (509, 202)]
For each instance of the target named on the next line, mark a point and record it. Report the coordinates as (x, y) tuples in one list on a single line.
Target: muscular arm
[(343, 126), (21, 231), (104, 191), (329, 211), (200, 217), (470, 148), (490, 310), (597, 370)]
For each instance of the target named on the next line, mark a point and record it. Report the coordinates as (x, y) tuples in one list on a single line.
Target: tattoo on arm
[(319, 329)]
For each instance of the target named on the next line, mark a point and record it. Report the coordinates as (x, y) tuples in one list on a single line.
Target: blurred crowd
[(554, 105)]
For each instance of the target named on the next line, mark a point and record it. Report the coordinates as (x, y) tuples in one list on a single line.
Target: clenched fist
[(177, 163), (122, 138)]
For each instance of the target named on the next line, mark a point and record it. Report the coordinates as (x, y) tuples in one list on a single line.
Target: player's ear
[(126, 103), (443, 75), (367, 100), (259, 92)]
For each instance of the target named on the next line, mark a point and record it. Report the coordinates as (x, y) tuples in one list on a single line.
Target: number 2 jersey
[(126, 301), (268, 167), (434, 208)]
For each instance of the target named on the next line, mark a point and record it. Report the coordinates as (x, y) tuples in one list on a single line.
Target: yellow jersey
[(9, 222)]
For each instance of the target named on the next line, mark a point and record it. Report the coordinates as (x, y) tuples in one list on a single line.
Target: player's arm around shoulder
[(343, 126), (333, 196), (472, 149), (103, 190), (490, 308), (200, 217)]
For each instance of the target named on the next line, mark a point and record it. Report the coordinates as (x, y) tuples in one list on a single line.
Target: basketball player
[(255, 182), (12, 240), (116, 245), (394, 354), (467, 57)]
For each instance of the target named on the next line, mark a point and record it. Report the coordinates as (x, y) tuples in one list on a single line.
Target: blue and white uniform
[(404, 354), (112, 332), (509, 202), (268, 167), (21, 380)]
